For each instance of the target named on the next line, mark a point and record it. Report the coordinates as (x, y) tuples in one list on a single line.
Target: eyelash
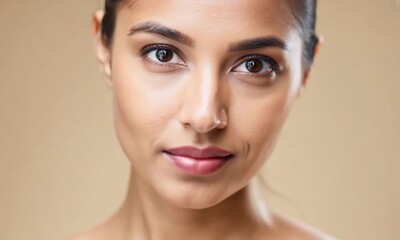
[(149, 48), (274, 65)]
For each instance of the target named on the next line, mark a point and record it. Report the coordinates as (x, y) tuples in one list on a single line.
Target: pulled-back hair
[(304, 13)]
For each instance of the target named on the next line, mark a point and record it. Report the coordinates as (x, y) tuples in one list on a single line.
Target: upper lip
[(200, 153)]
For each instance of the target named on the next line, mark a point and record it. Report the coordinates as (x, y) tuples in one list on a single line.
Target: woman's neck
[(145, 215)]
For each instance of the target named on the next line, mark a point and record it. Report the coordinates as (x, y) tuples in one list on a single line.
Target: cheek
[(141, 99), (141, 110), (262, 117), (258, 122)]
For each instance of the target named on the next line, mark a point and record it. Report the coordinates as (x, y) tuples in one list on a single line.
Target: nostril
[(203, 123)]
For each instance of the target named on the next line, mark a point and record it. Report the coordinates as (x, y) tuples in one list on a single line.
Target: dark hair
[(304, 12)]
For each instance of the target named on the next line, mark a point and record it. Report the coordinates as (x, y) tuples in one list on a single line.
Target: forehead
[(234, 19)]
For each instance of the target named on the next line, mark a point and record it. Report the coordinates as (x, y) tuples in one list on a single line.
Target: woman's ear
[(307, 72), (103, 53)]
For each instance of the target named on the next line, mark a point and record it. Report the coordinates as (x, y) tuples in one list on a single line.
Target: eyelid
[(148, 48), (276, 67)]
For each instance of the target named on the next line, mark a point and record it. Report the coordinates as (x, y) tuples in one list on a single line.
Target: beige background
[(61, 169)]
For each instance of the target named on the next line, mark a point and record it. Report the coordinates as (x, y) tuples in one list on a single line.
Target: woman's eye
[(255, 66), (164, 56)]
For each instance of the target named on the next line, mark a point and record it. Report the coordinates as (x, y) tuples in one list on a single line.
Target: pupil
[(254, 66), (164, 55)]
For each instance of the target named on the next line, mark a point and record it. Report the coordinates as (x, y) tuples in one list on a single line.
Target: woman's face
[(202, 74)]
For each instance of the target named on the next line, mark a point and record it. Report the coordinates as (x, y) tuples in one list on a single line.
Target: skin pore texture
[(200, 73)]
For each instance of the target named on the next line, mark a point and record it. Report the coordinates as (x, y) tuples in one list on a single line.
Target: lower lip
[(197, 166)]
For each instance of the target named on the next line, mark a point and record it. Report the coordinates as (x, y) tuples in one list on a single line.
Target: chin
[(194, 204), (192, 196)]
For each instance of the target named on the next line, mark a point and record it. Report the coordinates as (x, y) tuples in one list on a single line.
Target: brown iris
[(254, 65), (164, 55)]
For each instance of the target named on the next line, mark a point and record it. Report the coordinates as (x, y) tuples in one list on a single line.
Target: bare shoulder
[(105, 230), (288, 228)]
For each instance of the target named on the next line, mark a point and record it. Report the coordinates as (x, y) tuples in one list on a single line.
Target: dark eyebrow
[(152, 27), (259, 43)]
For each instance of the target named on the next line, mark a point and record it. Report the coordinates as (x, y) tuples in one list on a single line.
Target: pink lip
[(198, 161)]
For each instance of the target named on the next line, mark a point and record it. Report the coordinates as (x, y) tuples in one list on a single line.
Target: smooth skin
[(205, 88)]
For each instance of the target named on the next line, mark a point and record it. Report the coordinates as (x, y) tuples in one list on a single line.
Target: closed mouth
[(196, 161), (200, 154)]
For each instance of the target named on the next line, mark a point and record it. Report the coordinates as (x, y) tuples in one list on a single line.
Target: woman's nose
[(203, 108)]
